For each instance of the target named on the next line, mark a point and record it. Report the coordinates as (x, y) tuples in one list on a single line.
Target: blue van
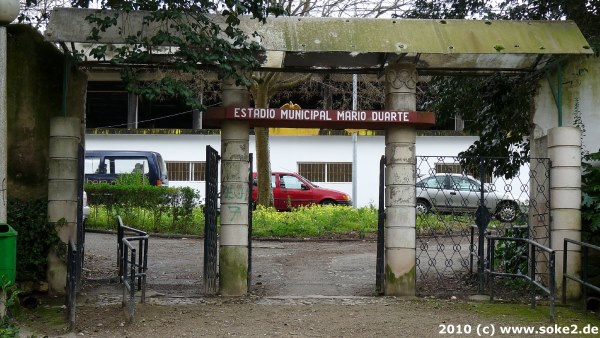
[(104, 166)]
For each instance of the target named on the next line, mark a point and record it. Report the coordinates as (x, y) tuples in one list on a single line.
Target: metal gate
[(250, 208), (380, 263), (211, 254), (459, 201), (75, 251)]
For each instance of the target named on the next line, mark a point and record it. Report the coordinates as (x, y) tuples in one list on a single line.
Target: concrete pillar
[(132, 111), (62, 194), (400, 233), (233, 253), (564, 150)]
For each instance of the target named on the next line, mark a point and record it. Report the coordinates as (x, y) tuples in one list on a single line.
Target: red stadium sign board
[(319, 118)]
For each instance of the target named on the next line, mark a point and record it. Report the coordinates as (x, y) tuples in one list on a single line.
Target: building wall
[(581, 100), (34, 96), (286, 152)]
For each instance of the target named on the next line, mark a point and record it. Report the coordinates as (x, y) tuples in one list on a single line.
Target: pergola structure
[(399, 50)]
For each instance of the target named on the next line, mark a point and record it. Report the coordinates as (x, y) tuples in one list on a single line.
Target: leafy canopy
[(202, 34), (498, 108)]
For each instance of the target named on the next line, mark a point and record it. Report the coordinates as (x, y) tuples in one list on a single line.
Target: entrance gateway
[(398, 49), (400, 123)]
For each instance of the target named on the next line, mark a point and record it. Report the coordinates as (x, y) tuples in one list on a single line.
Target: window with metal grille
[(326, 171), (456, 168), (186, 171), (448, 168)]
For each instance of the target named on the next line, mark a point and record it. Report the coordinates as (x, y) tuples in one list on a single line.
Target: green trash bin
[(8, 252)]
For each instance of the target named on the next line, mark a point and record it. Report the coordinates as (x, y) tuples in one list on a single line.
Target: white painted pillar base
[(564, 150), (233, 253), (62, 194), (400, 221)]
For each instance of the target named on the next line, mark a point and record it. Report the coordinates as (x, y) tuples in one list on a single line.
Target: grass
[(315, 221), (523, 313), (312, 221), (153, 221)]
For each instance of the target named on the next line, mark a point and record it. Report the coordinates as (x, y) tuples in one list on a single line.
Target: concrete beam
[(302, 44)]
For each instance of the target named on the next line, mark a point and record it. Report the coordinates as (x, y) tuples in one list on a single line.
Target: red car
[(291, 190)]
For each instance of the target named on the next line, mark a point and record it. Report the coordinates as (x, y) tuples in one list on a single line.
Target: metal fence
[(585, 269), (133, 264), (526, 252), (460, 201)]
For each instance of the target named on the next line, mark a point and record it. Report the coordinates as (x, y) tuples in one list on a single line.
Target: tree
[(37, 12), (264, 86), (500, 112), (267, 84), (203, 34)]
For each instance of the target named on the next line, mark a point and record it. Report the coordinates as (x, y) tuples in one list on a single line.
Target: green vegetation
[(315, 221), (36, 236), (144, 206), (328, 221), (590, 205), (9, 297), (523, 313)]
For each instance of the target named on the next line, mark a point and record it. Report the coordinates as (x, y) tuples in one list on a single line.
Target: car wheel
[(422, 207), (507, 212), (328, 202)]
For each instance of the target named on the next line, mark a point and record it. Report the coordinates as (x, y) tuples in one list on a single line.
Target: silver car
[(462, 193)]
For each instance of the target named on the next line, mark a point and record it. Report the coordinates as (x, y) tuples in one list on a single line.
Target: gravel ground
[(305, 289)]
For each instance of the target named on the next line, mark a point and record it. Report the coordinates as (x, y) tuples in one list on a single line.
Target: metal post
[(379, 273), (354, 170), (532, 263), (250, 209), (132, 111), (145, 270), (471, 247), (140, 264), (584, 275), (120, 248), (481, 220), (132, 286), (564, 274), (3, 126), (354, 141), (552, 283), (123, 275), (491, 246)]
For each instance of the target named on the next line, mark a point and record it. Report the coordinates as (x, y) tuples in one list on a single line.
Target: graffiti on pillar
[(235, 191), (234, 210)]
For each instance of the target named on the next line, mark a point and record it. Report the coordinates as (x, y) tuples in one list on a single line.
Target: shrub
[(145, 207), (590, 193), (36, 236)]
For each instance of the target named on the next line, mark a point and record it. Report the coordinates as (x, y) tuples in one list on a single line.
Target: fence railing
[(585, 251), (133, 264), (72, 266), (535, 283)]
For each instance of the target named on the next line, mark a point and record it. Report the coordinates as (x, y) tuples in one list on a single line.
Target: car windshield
[(462, 183), (163, 167), (309, 182)]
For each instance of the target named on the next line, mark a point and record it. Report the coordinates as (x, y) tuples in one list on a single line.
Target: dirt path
[(305, 289)]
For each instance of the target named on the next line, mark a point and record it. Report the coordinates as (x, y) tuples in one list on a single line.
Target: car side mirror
[(303, 186)]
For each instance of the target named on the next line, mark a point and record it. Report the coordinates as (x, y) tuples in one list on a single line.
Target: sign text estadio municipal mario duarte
[(321, 115)]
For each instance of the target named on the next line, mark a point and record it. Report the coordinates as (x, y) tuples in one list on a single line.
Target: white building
[(185, 156)]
